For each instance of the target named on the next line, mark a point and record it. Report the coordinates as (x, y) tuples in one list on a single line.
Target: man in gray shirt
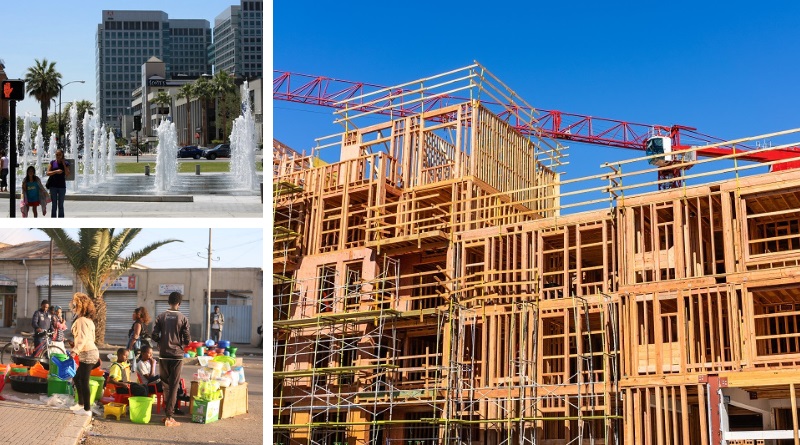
[(171, 331)]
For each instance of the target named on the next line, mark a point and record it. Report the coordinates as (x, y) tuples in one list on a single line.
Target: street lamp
[(61, 87)]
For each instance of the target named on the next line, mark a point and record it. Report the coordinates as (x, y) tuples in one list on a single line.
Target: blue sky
[(64, 32), (728, 70), (234, 247)]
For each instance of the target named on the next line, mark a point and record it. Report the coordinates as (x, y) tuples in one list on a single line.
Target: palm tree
[(204, 90), (162, 98), (43, 82), (224, 89), (187, 91), (96, 258)]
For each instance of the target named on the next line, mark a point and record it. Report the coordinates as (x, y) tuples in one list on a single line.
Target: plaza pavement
[(202, 206)]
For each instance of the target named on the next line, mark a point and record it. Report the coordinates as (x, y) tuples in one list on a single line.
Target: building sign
[(123, 283), (164, 83), (166, 289)]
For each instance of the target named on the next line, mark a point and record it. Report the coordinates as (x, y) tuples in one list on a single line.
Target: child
[(119, 375), (146, 369), (33, 193)]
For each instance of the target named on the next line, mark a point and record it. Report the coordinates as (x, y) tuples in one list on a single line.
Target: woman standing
[(58, 170), (84, 347), (3, 171), (136, 332)]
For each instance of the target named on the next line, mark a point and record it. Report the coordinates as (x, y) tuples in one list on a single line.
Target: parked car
[(190, 151), (220, 151)]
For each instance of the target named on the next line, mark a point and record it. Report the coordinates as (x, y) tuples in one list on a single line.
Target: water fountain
[(243, 144), (166, 158), (95, 169)]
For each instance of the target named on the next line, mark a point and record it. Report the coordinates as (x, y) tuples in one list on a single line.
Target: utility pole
[(207, 325), (50, 275)]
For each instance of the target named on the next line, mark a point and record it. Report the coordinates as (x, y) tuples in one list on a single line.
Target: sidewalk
[(40, 425), (204, 206)]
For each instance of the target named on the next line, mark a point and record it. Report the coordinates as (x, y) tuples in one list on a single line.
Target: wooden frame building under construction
[(443, 284)]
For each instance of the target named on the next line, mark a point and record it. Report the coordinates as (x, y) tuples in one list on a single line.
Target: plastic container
[(19, 370), (28, 384), (233, 351), (54, 365), (94, 392), (38, 371), (210, 343), (141, 408), (57, 386), (201, 350), (192, 354), (65, 368), (97, 372), (224, 344), (240, 370)]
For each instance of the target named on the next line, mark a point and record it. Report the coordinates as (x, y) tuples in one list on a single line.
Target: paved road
[(25, 424), (245, 429)]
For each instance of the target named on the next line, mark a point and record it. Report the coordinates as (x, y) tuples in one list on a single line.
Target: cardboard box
[(234, 401), (205, 412)]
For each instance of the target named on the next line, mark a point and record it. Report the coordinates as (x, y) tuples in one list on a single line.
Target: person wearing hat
[(59, 327)]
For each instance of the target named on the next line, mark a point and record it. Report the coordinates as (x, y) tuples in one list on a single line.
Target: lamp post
[(59, 107)]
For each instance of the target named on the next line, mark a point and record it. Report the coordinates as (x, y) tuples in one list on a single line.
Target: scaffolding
[(442, 284)]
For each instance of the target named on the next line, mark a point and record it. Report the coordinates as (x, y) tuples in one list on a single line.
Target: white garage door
[(119, 315)]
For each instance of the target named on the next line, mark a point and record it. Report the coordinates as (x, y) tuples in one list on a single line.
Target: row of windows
[(137, 61), (121, 77), (124, 86), (133, 43), (130, 52), (253, 57), (189, 31), (131, 35), (132, 25), (252, 6)]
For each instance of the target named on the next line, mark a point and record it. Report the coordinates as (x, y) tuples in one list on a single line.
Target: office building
[(127, 39), (238, 40)]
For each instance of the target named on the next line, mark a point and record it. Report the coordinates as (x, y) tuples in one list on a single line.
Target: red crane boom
[(329, 92)]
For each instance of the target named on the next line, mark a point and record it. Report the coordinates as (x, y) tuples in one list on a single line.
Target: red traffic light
[(13, 90)]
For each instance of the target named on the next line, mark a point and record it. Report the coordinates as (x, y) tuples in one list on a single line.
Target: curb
[(73, 433), (123, 198)]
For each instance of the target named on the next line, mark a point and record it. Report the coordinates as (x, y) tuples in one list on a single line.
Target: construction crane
[(668, 140)]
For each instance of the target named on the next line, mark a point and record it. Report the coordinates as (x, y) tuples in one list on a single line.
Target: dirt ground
[(245, 429)]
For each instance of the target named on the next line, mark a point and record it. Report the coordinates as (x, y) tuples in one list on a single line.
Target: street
[(244, 429)]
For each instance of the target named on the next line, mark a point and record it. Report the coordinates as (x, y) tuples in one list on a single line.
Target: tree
[(97, 259), (187, 91), (162, 98), (43, 82), (224, 88), (204, 90)]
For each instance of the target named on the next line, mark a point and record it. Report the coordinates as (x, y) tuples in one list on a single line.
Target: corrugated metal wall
[(119, 315), (238, 323)]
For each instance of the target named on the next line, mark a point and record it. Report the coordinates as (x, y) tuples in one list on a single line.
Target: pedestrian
[(217, 320), (34, 194), (171, 331), (42, 322), (59, 327), (137, 332), (58, 170), (260, 331), (3, 171), (83, 345)]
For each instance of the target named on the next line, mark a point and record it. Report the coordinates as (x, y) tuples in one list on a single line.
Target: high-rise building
[(238, 39), (127, 39)]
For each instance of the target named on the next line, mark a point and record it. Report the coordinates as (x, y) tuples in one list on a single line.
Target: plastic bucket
[(224, 344), (64, 368), (94, 392), (140, 409), (201, 350), (54, 365), (233, 351)]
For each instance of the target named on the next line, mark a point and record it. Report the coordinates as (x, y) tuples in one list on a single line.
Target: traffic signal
[(137, 123), (13, 89)]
